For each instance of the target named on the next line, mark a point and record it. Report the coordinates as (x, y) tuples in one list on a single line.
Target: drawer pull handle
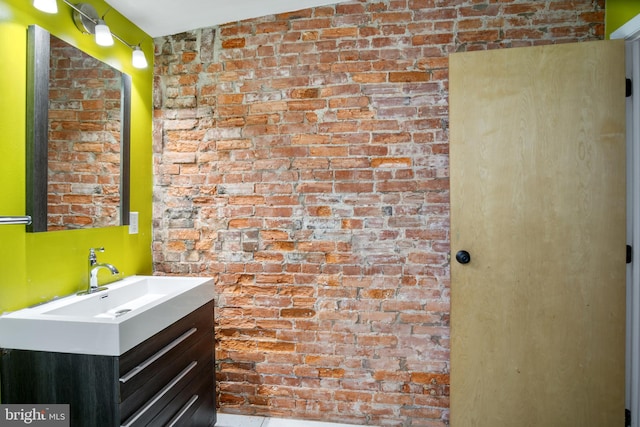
[(161, 393), (135, 371), (184, 409)]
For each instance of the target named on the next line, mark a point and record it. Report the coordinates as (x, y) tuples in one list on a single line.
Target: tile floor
[(231, 420)]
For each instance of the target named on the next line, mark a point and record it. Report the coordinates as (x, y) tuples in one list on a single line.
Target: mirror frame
[(37, 131)]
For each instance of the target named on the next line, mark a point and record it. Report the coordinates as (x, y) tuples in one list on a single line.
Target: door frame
[(630, 32)]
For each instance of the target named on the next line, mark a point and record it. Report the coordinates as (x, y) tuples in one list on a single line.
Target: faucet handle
[(92, 253)]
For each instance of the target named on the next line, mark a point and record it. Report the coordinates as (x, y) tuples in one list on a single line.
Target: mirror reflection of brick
[(84, 140)]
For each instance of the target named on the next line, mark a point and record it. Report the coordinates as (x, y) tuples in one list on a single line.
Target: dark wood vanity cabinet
[(167, 380)]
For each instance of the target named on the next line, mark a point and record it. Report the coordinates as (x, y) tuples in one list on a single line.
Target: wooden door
[(538, 200)]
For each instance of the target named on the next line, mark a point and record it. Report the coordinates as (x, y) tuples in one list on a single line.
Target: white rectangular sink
[(108, 322)]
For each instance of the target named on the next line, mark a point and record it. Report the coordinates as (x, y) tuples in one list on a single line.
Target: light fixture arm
[(105, 14), (117, 37)]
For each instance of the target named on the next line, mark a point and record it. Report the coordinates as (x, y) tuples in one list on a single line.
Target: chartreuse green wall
[(35, 267), (617, 12)]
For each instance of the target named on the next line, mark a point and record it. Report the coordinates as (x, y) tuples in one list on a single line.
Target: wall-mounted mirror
[(78, 127)]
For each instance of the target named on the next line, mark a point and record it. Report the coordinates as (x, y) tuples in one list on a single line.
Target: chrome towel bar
[(9, 220)]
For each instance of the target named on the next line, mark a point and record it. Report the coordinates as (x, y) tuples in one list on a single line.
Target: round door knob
[(463, 257)]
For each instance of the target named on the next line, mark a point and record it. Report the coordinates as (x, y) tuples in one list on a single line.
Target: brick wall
[(301, 159), (84, 140)]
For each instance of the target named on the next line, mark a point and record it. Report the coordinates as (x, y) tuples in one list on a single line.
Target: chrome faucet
[(94, 267)]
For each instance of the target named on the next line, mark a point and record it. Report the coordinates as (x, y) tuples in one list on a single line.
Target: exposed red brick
[(349, 8), (272, 27), (297, 312), (307, 104), (520, 9), (233, 43), (432, 39), (304, 166), (305, 93), (408, 76), (339, 32), (331, 373), (369, 77), (479, 36)]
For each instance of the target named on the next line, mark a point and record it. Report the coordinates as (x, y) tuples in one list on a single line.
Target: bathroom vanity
[(167, 379)]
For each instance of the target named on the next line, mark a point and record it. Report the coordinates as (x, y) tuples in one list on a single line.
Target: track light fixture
[(88, 21), (138, 59), (103, 34)]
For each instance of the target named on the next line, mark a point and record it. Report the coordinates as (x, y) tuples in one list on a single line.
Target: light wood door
[(538, 200)]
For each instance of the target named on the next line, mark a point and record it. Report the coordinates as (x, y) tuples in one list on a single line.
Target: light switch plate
[(133, 222)]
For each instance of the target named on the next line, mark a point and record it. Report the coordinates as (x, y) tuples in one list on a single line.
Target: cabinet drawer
[(201, 319), (145, 387), (187, 407), (146, 413), (205, 414), (163, 365)]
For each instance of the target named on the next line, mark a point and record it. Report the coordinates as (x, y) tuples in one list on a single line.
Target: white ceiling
[(166, 17)]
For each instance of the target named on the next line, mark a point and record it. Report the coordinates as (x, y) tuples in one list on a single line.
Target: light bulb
[(103, 34), (138, 59), (48, 6)]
